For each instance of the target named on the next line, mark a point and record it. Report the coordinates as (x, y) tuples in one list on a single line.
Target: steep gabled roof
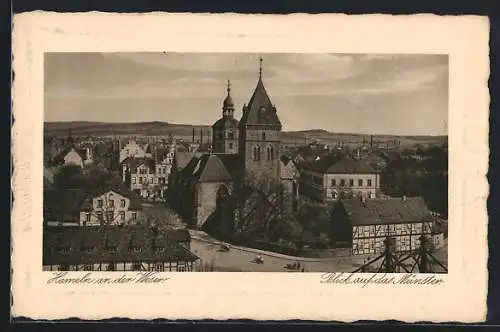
[(233, 163), (135, 202), (386, 211), (211, 168), (334, 164), (260, 110), (78, 239), (59, 158), (133, 163)]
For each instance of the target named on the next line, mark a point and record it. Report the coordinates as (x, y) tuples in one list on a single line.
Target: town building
[(72, 155), (364, 224), (335, 176), (245, 151), (110, 207), (148, 176), (139, 174), (113, 248), (133, 150), (75, 207)]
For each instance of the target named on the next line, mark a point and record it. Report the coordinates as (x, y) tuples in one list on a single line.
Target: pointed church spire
[(260, 68)]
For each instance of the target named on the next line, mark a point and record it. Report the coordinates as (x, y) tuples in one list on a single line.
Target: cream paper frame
[(260, 296)]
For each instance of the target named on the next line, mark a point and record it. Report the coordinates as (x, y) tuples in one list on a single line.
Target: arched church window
[(270, 153), (222, 194), (263, 136), (256, 153)]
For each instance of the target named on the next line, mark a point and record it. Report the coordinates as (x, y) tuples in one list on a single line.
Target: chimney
[(201, 137), (89, 154)]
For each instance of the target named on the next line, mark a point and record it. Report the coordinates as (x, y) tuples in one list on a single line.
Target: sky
[(343, 93)]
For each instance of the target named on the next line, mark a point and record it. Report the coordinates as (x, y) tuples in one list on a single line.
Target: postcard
[(319, 167)]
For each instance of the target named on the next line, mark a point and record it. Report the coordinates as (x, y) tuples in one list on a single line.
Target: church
[(245, 156)]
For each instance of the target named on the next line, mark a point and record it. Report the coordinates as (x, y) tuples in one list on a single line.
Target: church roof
[(228, 102), (211, 168), (225, 123), (260, 110)]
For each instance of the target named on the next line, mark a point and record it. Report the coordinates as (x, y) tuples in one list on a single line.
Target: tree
[(69, 177), (160, 216), (264, 208)]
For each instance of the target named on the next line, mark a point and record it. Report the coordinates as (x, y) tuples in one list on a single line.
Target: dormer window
[(63, 250), (89, 249), (135, 248), (159, 249), (111, 248)]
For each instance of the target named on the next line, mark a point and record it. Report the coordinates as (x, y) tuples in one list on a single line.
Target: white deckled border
[(262, 296)]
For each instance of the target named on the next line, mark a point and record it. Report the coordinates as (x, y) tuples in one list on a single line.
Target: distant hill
[(157, 128)]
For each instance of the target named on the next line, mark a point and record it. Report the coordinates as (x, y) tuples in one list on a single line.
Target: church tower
[(259, 128), (225, 130)]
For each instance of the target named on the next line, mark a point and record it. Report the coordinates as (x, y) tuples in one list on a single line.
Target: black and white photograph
[(245, 162)]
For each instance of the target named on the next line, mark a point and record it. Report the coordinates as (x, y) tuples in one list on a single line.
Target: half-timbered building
[(115, 248), (366, 223)]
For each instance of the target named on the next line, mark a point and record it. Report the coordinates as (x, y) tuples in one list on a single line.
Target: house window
[(137, 267), (140, 179), (133, 180), (99, 203), (122, 216), (159, 267), (360, 182), (133, 216), (88, 267), (181, 268), (99, 216), (111, 267), (110, 215), (369, 182), (63, 267), (263, 136), (230, 135), (87, 217), (342, 183), (122, 203), (351, 183), (111, 203), (230, 145), (334, 182)]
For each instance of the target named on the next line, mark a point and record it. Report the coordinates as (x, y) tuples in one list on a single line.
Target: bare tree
[(263, 203)]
